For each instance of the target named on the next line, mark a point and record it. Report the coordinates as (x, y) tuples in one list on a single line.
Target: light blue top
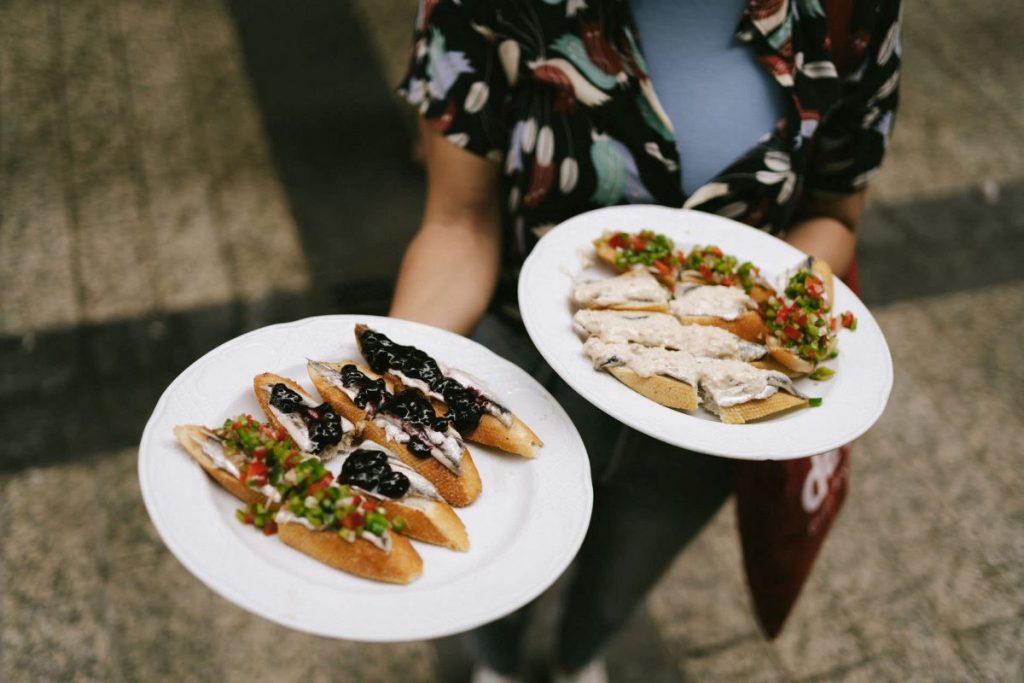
[(719, 98)]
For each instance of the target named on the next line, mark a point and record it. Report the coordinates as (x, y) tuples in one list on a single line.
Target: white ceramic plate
[(524, 529), (852, 400)]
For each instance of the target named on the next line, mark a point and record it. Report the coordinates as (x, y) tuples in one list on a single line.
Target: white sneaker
[(481, 674), (594, 672)]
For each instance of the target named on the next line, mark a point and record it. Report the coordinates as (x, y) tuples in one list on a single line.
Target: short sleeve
[(455, 78), (853, 137)]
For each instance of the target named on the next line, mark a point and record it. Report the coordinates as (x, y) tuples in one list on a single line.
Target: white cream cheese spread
[(633, 288), (661, 329), (715, 301)]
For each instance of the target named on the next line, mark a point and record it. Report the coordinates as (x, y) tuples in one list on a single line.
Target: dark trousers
[(650, 500)]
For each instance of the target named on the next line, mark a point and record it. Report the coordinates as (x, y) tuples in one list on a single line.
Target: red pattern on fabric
[(554, 76), (599, 49), (762, 9), (444, 121), (542, 179)]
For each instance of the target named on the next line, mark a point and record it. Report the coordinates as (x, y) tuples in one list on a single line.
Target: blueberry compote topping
[(409, 407), (465, 404), (369, 470), (323, 423), (412, 409), (370, 392)]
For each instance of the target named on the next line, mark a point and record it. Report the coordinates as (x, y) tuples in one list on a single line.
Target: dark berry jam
[(465, 405), (369, 470), (370, 392), (322, 423)]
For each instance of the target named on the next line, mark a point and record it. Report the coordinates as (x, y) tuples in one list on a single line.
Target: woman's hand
[(826, 228), (450, 269)]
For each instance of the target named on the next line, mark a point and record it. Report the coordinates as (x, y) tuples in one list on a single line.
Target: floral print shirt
[(558, 92)]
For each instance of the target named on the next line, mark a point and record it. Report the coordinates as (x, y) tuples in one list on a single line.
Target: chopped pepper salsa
[(307, 489)]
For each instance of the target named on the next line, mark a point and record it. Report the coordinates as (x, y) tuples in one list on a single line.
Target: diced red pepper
[(705, 272), (714, 250), (638, 243), (728, 281), (848, 320), (792, 332), (260, 452), (352, 520), (357, 500), (369, 504), (618, 241), (320, 485), (270, 528), (662, 267)]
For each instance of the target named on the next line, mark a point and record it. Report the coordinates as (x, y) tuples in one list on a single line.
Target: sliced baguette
[(269, 379), (459, 490), (749, 326), (402, 565), (187, 434), (429, 521), (761, 408), (608, 254), (667, 391), (516, 438)]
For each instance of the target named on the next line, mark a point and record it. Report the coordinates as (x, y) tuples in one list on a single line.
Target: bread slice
[(429, 521), (269, 379), (749, 326), (515, 438), (458, 489), (362, 558), (761, 408), (789, 360), (643, 292), (402, 565), (667, 391), (608, 254), (187, 435)]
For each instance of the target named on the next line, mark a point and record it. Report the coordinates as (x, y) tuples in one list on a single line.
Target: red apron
[(784, 510)]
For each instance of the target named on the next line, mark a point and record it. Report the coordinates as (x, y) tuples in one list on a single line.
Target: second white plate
[(852, 400)]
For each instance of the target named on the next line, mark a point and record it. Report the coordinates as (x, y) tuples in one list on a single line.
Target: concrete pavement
[(173, 174)]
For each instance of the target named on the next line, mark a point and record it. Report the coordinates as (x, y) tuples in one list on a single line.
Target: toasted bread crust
[(667, 391), (229, 482), (402, 565), (749, 326), (459, 490), (262, 396), (761, 408), (518, 439), (436, 523), (787, 358), (607, 253)]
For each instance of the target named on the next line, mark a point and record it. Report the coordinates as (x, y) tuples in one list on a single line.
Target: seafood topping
[(369, 470), (322, 423)]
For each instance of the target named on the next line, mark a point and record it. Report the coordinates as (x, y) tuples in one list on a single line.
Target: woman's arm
[(827, 229), (450, 269)]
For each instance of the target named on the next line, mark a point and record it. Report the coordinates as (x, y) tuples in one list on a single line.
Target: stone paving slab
[(927, 554)]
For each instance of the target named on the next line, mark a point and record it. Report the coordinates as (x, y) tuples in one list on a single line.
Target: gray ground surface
[(172, 174)]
